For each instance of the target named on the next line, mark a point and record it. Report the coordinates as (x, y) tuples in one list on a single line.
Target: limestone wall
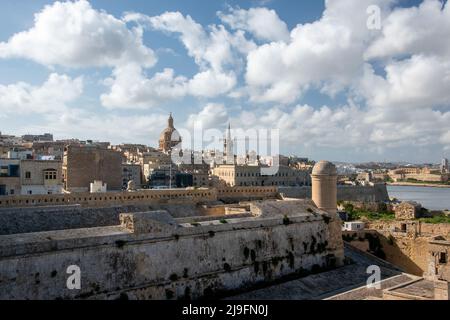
[(442, 229), (172, 261), (246, 193), (438, 265), (111, 198), (409, 249), (408, 253), (231, 194), (25, 220), (414, 227), (141, 197), (38, 219), (377, 193)]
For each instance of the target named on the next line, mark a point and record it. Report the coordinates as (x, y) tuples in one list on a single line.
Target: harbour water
[(430, 198)]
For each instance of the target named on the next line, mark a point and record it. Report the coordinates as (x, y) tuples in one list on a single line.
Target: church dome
[(169, 137), (324, 168), (168, 134)]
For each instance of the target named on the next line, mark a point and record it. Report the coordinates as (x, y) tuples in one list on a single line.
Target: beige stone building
[(438, 263), (250, 175), (83, 165), (419, 174), (9, 177), (131, 172), (41, 177), (408, 210), (200, 179), (132, 152), (51, 149)]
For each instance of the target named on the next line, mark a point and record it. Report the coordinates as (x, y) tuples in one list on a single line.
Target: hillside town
[(94, 185), (36, 164)]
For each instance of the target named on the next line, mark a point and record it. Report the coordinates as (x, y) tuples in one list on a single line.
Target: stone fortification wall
[(376, 193), (231, 194), (63, 217), (407, 248), (111, 198), (153, 256), (140, 197)]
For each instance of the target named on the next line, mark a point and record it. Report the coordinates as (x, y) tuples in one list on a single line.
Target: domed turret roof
[(324, 168)]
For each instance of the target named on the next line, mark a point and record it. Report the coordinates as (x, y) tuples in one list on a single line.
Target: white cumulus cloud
[(52, 96), (263, 23), (74, 34)]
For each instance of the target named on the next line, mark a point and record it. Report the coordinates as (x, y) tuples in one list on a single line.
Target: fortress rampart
[(376, 193), (164, 244), (151, 255), (140, 197)]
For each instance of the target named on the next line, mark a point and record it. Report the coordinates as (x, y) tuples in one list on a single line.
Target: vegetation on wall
[(357, 214), (411, 180), (436, 219)]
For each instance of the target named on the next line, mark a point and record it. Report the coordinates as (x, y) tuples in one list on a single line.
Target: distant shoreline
[(411, 184)]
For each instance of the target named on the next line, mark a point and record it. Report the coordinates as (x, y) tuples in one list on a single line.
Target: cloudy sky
[(336, 89)]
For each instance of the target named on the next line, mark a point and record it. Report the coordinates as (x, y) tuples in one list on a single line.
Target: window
[(50, 174), (3, 171), (30, 192), (403, 227), (442, 258), (28, 175), (14, 170)]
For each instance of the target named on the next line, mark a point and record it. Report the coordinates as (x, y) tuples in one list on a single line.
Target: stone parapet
[(150, 255)]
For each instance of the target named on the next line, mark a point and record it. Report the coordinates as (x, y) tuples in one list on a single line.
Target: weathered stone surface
[(193, 260), (155, 222), (376, 193), (407, 211)]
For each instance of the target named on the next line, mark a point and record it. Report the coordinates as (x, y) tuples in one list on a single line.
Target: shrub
[(173, 277), (169, 294), (286, 220)]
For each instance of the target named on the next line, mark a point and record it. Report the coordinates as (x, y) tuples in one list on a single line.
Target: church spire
[(170, 121), (228, 147)]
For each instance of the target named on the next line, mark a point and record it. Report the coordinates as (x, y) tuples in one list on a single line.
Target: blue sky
[(312, 69)]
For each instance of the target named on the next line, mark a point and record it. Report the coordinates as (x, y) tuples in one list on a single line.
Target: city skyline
[(336, 89)]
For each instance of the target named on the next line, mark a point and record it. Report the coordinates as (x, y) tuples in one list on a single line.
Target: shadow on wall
[(388, 248)]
